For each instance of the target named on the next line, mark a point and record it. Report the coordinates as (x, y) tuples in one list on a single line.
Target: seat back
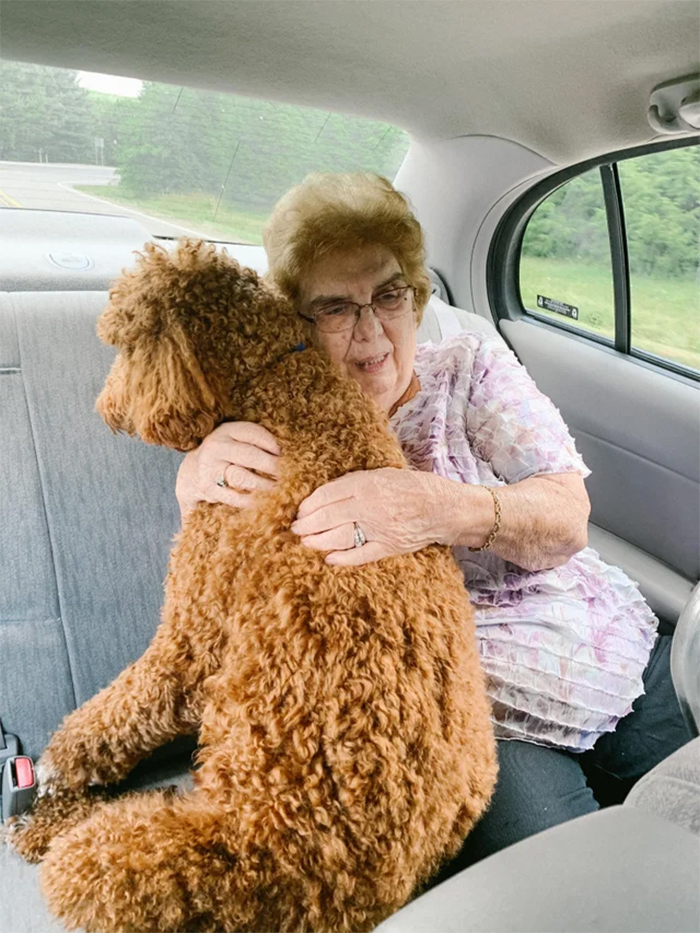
[(86, 517)]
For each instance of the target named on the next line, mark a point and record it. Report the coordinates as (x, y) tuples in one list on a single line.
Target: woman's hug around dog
[(345, 741)]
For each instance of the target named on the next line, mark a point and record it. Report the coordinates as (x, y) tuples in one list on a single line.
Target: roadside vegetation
[(566, 253), (215, 160), (665, 311), (188, 210)]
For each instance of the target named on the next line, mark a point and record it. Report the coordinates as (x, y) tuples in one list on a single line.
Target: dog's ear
[(158, 391), (112, 403), (141, 298)]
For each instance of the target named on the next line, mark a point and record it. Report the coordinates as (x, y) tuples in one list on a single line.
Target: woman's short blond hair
[(331, 212)]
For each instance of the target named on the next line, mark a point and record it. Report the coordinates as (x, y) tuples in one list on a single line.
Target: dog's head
[(191, 327)]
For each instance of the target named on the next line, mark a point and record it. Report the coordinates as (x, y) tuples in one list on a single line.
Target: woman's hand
[(246, 455), (544, 517), (399, 511)]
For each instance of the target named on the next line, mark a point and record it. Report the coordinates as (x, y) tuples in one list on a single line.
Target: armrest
[(672, 789), (618, 869)]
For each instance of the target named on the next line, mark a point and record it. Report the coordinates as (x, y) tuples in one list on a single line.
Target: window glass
[(661, 198), (183, 160), (565, 265)]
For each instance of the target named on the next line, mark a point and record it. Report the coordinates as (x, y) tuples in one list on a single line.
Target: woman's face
[(379, 356)]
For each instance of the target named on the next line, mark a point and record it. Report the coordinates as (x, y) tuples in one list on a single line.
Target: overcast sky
[(109, 84)]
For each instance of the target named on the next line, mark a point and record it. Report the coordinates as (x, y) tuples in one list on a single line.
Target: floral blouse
[(563, 649)]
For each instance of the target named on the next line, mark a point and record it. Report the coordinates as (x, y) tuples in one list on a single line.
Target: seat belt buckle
[(18, 778)]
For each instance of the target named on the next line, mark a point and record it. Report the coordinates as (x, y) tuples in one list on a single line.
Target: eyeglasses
[(344, 315)]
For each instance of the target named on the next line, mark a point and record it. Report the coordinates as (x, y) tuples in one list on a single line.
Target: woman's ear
[(160, 393)]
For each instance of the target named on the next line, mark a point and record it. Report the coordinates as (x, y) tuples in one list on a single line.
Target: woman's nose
[(368, 324)]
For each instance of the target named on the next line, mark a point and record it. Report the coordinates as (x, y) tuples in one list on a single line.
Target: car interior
[(504, 105)]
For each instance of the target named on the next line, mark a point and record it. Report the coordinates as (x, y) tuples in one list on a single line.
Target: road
[(32, 185)]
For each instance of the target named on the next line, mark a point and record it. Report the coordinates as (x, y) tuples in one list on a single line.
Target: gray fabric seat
[(87, 518)]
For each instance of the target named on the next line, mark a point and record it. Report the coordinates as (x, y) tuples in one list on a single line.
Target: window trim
[(503, 262)]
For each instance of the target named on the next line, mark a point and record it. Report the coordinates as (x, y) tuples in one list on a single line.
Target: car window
[(565, 268), (661, 200), (181, 159), (613, 253)]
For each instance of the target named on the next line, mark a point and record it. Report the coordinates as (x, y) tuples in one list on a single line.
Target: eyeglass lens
[(386, 306)]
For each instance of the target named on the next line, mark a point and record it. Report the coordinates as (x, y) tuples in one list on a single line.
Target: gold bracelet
[(496, 525)]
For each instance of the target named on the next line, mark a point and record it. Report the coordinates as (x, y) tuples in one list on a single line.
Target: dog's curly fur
[(345, 739)]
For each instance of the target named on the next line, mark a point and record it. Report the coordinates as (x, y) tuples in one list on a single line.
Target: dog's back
[(348, 725)]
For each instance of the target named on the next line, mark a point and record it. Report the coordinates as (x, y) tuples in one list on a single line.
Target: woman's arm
[(543, 518)]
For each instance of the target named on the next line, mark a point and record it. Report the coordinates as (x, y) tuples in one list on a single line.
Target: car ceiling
[(569, 79)]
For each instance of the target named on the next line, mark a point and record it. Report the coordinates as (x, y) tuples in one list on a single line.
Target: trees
[(238, 151), (243, 152), (661, 203), (45, 115), (661, 194), (169, 141)]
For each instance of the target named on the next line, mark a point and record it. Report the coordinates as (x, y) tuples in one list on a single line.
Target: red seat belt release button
[(18, 785), (24, 772)]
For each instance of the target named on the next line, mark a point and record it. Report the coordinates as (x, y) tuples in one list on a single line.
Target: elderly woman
[(564, 638)]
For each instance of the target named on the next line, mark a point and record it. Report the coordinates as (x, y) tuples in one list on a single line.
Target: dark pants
[(539, 787)]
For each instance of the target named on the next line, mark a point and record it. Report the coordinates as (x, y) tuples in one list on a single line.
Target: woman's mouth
[(372, 364)]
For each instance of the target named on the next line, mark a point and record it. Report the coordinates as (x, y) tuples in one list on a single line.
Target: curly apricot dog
[(345, 739)]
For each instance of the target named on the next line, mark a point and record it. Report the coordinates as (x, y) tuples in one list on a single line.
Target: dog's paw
[(18, 834), (29, 838), (30, 834), (47, 777), (58, 773), (76, 763)]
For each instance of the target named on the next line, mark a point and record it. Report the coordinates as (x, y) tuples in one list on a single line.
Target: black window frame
[(503, 262)]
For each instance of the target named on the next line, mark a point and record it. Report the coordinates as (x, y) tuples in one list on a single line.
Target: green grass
[(195, 211), (665, 312)]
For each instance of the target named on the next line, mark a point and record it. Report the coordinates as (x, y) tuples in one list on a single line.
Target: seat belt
[(17, 778)]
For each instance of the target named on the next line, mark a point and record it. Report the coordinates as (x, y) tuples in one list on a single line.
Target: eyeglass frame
[(360, 308)]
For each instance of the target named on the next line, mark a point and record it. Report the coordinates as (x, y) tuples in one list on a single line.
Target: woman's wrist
[(468, 514), (496, 527)]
